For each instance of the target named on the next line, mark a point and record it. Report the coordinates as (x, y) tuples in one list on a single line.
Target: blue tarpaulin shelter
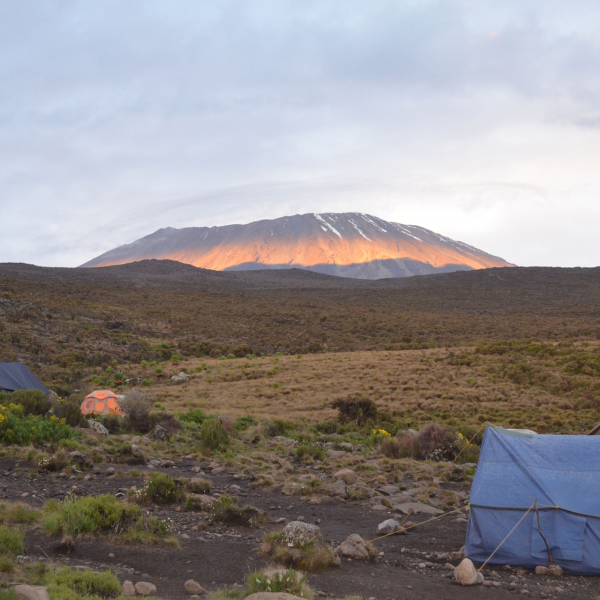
[(562, 474), (16, 376)]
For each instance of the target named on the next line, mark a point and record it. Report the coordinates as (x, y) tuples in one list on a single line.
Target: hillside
[(63, 322), (344, 244)]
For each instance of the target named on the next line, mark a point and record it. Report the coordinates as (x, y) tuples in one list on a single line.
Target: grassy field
[(547, 387)]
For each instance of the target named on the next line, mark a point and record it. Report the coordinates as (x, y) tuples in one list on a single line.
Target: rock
[(193, 587), (98, 427), (355, 547), (480, 578), (137, 452), (298, 534), (348, 476), (389, 526), (145, 588), (555, 571), (181, 378), (31, 592), (336, 489), (416, 508), (465, 573), (539, 570), (272, 596), (128, 588), (388, 490), (336, 453), (160, 433), (110, 471), (218, 470), (96, 471), (79, 458)]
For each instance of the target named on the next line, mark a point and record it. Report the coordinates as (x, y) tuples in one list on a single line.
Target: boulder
[(388, 526), (348, 476), (355, 547), (298, 534), (160, 433), (555, 571), (337, 488), (145, 588), (31, 592), (466, 573), (181, 378), (98, 427), (193, 587), (388, 490), (539, 570), (128, 589)]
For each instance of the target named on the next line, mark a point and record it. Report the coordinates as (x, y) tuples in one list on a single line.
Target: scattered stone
[(355, 547), (98, 427), (111, 555), (195, 469), (137, 452), (160, 433), (145, 588), (218, 471), (181, 378), (539, 570), (555, 571), (388, 490), (388, 526), (348, 476), (128, 588), (110, 471), (193, 587), (416, 508), (31, 592), (337, 488), (298, 534), (465, 573)]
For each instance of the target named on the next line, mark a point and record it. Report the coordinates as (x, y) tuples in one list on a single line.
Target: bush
[(197, 485), (393, 448), (162, 489), (278, 427), (213, 435), (310, 451), (70, 412), (22, 430), (137, 406), (71, 584), (112, 422), (102, 515), (225, 510), (12, 541), (355, 408), (194, 416), (309, 556), (287, 581), (34, 402), (433, 442)]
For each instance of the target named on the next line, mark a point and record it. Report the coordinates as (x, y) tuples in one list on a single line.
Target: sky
[(477, 119)]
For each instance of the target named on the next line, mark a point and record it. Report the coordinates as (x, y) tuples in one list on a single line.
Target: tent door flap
[(564, 533)]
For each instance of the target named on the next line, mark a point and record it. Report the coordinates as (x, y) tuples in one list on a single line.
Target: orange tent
[(102, 402)]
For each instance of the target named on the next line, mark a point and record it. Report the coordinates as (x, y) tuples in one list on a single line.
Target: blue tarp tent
[(561, 473), (16, 376)]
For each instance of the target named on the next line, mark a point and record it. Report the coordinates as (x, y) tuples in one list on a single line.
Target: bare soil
[(219, 555)]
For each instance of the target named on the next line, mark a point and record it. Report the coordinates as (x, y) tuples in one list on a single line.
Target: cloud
[(478, 119)]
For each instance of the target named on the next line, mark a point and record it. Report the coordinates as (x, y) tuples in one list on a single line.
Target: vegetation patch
[(226, 510), (161, 489), (21, 429), (104, 515), (308, 556)]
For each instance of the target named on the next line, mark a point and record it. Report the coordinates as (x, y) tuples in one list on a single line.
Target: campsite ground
[(412, 566), (515, 347)]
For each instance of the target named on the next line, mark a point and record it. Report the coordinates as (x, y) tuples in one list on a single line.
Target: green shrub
[(7, 594), (71, 584), (310, 452), (226, 510), (22, 430), (12, 541), (33, 401), (197, 485), (213, 435), (287, 581), (162, 489), (102, 515), (17, 513), (310, 556)]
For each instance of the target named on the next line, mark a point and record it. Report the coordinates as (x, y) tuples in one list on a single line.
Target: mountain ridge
[(355, 245)]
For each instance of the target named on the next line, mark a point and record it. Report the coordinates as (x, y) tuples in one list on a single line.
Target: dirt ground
[(410, 566)]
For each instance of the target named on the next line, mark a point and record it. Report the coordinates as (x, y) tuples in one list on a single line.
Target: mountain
[(343, 244)]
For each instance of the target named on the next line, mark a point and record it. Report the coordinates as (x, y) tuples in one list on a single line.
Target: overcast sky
[(477, 119)]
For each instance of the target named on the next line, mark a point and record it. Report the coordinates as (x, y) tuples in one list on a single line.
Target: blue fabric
[(556, 471), (16, 376)]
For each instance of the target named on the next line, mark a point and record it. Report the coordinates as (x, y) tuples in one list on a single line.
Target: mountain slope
[(346, 244)]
